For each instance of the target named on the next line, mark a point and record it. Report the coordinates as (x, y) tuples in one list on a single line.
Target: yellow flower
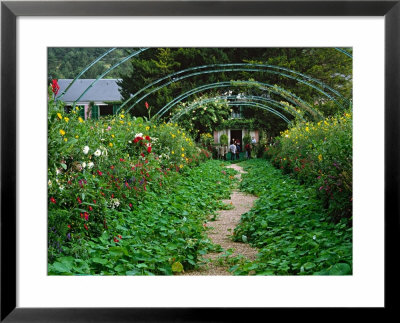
[(112, 136), (76, 136), (59, 116), (80, 119), (180, 166), (110, 144), (307, 129), (65, 139), (147, 128), (66, 119), (183, 155), (320, 157), (172, 152), (121, 122), (122, 116), (183, 149), (62, 132), (76, 108), (173, 136)]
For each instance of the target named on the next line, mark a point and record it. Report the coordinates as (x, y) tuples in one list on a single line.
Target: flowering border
[(10, 10)]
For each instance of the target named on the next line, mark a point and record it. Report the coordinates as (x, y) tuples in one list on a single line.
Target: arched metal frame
[(274, 103), (109, 70), (83, 71), (292, 98), (245, 67), (344, 52), (254, 104)]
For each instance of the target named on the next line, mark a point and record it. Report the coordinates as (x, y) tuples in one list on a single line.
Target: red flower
[(149, 149), (142, 154), (130, 204), (94, 201), (52, 200), (69, 226), (147, 138), (112, 167), (86, 227), (79, 200), (55, 87), (90, 208), (116, 240), (86, 216), (146, 105), (121, 159), (119, 236), (100, 173)]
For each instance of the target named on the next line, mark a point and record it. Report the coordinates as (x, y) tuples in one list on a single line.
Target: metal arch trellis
[(109, 70), (83, 71), (256, 68), (254, 104), (274, 103), (291, 98), (344, 52)]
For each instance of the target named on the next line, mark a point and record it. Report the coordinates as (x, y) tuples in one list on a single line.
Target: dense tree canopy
[(328, 65)]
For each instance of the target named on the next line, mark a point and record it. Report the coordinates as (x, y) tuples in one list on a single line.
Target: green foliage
[(320, 155), (246, 140), (125, 197), (291, 228), (202, 118), (68, 62), (223, 139)]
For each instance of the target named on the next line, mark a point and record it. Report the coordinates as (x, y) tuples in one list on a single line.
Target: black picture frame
[(10, 10)]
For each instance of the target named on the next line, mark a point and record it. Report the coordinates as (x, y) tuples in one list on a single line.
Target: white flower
[(314, 237), (84, 165), (139, 135), (90, 165), (86, 150), (49, 182), (97, 153), (61, 187)]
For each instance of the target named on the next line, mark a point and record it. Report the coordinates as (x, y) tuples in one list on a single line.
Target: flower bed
[(123, 196), (320, 155)]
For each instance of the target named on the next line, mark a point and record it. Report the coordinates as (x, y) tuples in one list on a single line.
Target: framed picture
[(371, 28)]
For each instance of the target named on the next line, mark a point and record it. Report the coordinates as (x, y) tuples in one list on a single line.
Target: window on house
[(236, 112)]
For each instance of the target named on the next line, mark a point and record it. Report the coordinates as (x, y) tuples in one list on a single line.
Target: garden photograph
[(199, 161)]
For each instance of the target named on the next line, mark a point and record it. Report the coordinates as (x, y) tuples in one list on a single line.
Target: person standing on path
[(232, 148), (248, 150), (238, 149)]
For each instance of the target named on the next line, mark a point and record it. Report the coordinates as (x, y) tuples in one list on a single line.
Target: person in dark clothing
[(248, 150), (238, 149)]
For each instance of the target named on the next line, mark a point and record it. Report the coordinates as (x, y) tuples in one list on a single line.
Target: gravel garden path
[(221, 232)]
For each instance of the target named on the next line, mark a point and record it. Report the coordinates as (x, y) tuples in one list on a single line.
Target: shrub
[(320, 155)]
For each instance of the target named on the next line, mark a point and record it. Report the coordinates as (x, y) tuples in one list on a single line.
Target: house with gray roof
[(102, 98)]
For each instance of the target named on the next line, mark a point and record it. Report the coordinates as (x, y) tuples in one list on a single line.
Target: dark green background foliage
[(326, 64)]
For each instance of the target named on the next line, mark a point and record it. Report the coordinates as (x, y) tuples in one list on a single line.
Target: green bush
[(125, 196), (320, 155), (223, 139), (291, 228)]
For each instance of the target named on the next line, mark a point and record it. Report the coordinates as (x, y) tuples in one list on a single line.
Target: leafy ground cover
[(319, 154), (126, 195), (162, 234), (291, 227)]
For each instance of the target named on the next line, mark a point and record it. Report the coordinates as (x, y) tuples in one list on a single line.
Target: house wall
[(218, 133)]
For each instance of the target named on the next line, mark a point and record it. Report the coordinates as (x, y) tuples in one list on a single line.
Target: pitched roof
[(103, 90)]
